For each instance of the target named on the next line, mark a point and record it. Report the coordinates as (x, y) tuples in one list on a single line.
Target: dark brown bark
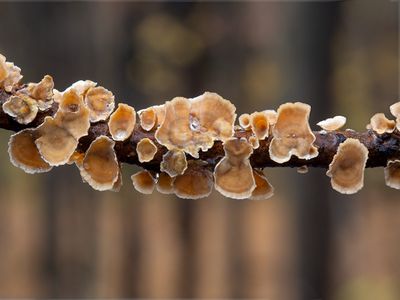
[(381, 147)]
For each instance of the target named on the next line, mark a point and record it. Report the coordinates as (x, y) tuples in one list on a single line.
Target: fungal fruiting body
[(332, 124), (193, 124), (292, 134), (186, 146), (380, 124), (395, 111), (234, 174), (122, 122), (392, 174), (347, 167)]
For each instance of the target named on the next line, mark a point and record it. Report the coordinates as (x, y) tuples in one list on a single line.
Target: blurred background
[(60, 238)]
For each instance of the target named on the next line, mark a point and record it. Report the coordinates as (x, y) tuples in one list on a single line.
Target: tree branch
[(381, 147)]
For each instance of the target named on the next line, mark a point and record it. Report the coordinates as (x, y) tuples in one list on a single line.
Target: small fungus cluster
[(178, 133)]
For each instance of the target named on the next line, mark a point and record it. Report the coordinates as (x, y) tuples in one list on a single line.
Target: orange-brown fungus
[(380, 124), (292, 134), (73, 115), (122, 122), (10, 74), (244, 121), (392, 174), (259, 124), (165, 183), (24, 153), (146, 150), (332, 124), (272, 115), (302, 170), (195, 183), (100, 102), (148, 118), (174, 163), (55, 143), (264, 189), (194, 124), (100, 168), (395, 111), (23, 108), (233, 174), (143, 182), (42, 92), (347, 167)]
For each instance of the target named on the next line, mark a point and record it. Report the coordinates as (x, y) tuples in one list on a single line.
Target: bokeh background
[(59, 238)]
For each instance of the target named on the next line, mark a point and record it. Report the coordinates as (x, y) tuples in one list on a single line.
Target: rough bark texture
[(381, 147)]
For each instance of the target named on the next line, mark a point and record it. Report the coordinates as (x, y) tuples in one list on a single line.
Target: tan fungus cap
[(21, 107), (332, 124), (122, 122), (144, 182), (292, 134), (146, 150), (347, 167), (392, 174)]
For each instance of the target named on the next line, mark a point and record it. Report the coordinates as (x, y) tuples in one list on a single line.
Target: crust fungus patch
[(55, 143), (10, 75), (174, 163), (392, 174), (100, 102), (144, 182), (347, 167), (122, 122), (259, 124), (195, 183), (73, 115), (146, 150), (24, 153), (380, 124), (100, 168), (332, 124), (194, 124), (233, 174), (148, 118), (165, 183), (263, 189), (42, 92), (21, 107), (395, 111), (292, 134)]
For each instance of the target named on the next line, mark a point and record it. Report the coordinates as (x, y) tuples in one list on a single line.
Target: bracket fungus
[(24, 153), (332, 124), (122, 122), (146, 149), (347, 167), (244, 121), (100, 102), (263, 189), (21, 107), (173, 163), (380, 124), (395, 111), (10, 75), (73, 115), (148, 118), (165, 183), (42, 92), (196, 182), (55, 143), (259, 124), (233, 174), (144, 182), (392, 174), (194, 124), (100, 168), (292, 134)]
